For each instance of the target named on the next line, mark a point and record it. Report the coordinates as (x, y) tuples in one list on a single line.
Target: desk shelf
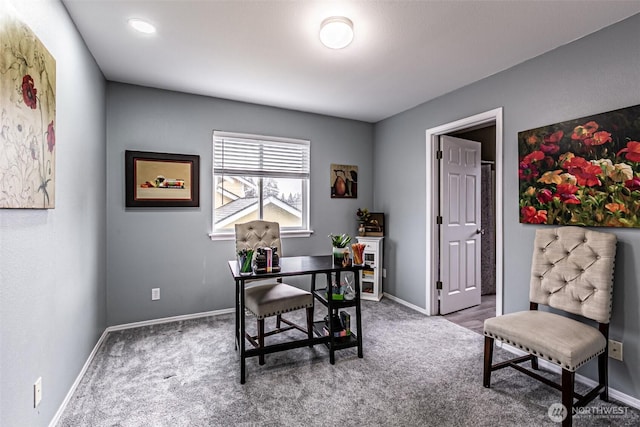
[(321, 295), (338, 342), (333, 308)]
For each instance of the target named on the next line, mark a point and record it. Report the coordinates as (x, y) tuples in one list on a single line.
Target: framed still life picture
[(375, 224), (161, 179), (582, 172), (344, 181)]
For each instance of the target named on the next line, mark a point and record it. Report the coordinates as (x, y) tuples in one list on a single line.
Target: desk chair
[(274, 297), (572, 271)]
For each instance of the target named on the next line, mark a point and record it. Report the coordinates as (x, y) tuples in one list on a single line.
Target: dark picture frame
[(161, 179), (375, 225)]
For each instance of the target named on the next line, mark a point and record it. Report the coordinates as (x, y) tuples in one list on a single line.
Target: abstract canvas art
[(27, 118), (582, 172)]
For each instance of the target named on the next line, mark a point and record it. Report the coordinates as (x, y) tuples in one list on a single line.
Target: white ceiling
[(268, 52)]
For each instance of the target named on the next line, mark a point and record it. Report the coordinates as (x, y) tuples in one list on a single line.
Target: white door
[(460, 229)]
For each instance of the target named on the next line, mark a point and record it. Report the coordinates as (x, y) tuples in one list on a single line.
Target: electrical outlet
[(155, 294), (384, 273), (615, 350), (37, 392)]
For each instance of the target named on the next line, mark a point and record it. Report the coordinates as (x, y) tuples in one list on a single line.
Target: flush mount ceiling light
[(336, 32), (142, 26)]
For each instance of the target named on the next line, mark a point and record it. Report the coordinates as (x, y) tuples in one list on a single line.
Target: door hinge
[(439, 154), (439, 285), (439, 220)]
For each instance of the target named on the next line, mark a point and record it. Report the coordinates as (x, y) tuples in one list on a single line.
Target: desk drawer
[(370, 247)]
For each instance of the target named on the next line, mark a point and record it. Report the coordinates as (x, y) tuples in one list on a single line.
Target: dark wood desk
[(300, 266)]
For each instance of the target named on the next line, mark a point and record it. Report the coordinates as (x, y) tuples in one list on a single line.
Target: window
[(260, 177)]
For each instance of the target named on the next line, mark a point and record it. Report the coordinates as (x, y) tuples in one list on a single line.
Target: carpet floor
[(416, 371)]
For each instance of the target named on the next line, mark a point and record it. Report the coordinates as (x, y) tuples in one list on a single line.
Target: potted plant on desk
[(339, 243), (245, 258)]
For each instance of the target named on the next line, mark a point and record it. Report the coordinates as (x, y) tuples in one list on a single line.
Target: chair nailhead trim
[(538, 354), (275, 313)]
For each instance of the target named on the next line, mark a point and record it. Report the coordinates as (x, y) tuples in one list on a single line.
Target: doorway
[(469, 128)]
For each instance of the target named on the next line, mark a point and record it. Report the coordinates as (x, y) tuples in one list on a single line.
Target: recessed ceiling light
[(336, 32), (142, 26)]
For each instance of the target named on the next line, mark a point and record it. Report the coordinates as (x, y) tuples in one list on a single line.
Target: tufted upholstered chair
[(572, 271), (272, 298)]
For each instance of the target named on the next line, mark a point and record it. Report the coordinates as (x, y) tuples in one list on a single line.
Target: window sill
[(283, 233)]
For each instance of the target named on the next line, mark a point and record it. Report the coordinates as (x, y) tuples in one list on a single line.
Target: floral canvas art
[(27, 118), (582, 172)]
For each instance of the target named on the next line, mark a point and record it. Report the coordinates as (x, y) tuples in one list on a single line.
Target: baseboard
[(613, 393), (103, 337), (74, 386), (406, 304), (170, 319)]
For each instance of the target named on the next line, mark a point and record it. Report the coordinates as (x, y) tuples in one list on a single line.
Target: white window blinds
[(260, 156)]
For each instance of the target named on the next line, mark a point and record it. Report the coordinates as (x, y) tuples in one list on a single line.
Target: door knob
[(480, 231)]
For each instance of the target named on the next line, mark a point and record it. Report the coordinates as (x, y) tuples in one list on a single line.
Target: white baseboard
[(406, 304), (75, 384), (103, 337), (170, 319), (613, 393)]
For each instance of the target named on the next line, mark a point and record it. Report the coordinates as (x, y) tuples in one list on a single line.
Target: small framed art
[(162, 179), (375, 225), (344, 181)]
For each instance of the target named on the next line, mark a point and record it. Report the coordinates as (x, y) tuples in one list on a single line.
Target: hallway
[(473, 318)]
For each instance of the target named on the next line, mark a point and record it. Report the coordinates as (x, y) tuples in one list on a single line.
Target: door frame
[(432, 187)]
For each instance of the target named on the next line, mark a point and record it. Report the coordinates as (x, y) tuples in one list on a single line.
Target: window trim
[(305, 229), (285, 234)]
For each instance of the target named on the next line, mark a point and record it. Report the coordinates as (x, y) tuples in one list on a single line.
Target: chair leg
[(534, 362), (568, 378), (488, 360), (278, 321), (261, 339), (603, 375)]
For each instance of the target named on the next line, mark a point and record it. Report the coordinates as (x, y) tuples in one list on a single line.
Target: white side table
[(371, 280)]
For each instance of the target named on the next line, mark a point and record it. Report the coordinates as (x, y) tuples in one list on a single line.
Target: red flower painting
[(582, 172)]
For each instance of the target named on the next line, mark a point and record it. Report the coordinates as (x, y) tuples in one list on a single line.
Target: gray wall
[(170, 248), (52, 262), (595, 74)]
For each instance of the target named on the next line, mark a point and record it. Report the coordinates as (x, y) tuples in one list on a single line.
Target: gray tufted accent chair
[(273, 297), (572, 271)]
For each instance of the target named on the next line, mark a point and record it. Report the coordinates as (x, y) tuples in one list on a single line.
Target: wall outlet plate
[(37, 392), (155, 294), (615, 350)]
